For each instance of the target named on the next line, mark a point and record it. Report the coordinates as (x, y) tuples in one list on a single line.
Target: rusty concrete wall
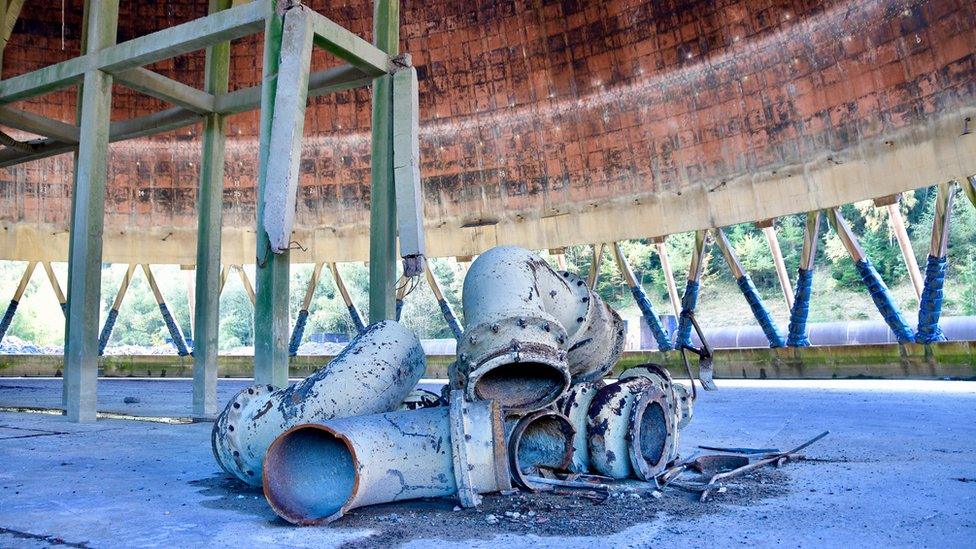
[(544, 123)]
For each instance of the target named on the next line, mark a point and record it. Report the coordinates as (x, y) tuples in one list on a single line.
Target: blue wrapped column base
[(452, 321), (8, 317), (797, 336), (884, 302), (64, 309), (357, 320), (174, 331), (653, 322), (399, 309), (930, 307), (759, 310), (113, 315), (688, 303), (298, 333)]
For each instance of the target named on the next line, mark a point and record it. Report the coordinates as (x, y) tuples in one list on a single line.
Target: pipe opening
[(309, 475), (521, 385), (544, 443), (653, 434)]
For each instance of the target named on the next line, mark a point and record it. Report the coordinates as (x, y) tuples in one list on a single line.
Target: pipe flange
[(598, 337), (574, 406), (607, 426), (518, 361), (478, 447), (228, 438), (651, 433)]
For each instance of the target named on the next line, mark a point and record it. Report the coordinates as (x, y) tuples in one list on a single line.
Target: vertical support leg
[(246, 282), (644, 304), (190, 281), (781, 274), (8, 315), (800, 310), (594, 275), (876, 287), (930, 304), (272, 269), (446, 310), (87, 223), (401, 294), (901, 234), (357, 319), (56, 286), (382, 206), (299, 331), (206, 303), (662, 252), (748, 290), (113, 313), (174, 330), (690, 298)]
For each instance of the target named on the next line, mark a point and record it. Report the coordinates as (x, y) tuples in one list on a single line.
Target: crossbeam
[(172, 91), (194, 35), (37, 124)]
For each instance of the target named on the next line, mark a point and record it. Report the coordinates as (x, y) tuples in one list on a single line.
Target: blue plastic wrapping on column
[(174, 331), (8, 317), (759, 310), (688, 302), (64, 309), (106, 334), (452, 321), (930, 307), (357, 320), (399, 309), (653, 322), (298, 333), (797, 336), (884, 302)]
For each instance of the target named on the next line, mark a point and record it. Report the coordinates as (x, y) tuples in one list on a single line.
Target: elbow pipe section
[(884, 302), (113, 315), (574, 406), (542, 439), (653, 322), (373, 374), (930, 306), (797, 336), (298, 333), (316, 473), (759, 311), (531, 331), (688, 303), (630, 430)]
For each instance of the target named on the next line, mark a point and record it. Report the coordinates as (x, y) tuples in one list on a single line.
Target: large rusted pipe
[(631, 430), (530, 331), (373, 374), (316, 473), (574, 406)]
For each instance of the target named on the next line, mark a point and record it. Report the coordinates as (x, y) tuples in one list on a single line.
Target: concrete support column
[(87, 223), (784, 279), (205, 303), (969, 187), (382, 202), (662, 252), (901, 234), (56, 286), (594, 276)]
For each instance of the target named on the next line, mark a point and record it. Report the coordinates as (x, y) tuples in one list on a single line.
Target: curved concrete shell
[(542, 123)]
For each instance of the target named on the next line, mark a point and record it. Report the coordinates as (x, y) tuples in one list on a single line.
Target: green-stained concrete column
[(382, 202), (206, 310), (87, 223)]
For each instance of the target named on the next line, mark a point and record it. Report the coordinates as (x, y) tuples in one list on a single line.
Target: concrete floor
[(898, 469)]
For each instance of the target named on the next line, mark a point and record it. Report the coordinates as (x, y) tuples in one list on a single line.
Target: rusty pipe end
[(651, 434), (311, 475), (541, 439)]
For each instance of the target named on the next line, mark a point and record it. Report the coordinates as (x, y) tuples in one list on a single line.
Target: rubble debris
[(373, 374)]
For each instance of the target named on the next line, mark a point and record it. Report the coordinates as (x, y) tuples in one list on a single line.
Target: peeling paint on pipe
[(373, 374), (574, 406), (630, 430), (530, 331), (315, 473), (543, 438)]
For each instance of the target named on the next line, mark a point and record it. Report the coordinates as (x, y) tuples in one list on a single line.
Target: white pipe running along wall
[(373, 374), (313, 474), (530, 331)]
